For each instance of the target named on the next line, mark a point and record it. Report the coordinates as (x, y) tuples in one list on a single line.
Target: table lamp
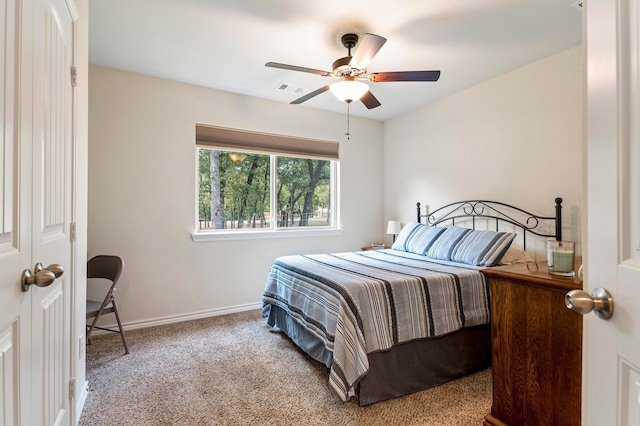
[(393, 227)]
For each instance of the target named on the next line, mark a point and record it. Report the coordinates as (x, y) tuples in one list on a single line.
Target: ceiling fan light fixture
[(349, 90), (350, 68)]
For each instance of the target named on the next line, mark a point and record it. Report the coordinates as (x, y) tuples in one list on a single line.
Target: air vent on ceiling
[(577, 5), (286, 87)]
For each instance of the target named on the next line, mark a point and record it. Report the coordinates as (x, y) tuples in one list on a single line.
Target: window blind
[(264, 143)]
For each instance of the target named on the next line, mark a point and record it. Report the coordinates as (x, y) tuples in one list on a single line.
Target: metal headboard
[(495, 210)]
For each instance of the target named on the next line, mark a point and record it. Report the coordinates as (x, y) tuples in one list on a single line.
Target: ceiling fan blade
[(379, 77), (296, 68), (311, 95), (369, 100), (367, 49)]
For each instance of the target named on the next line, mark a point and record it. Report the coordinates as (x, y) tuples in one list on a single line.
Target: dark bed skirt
[(406, 368)]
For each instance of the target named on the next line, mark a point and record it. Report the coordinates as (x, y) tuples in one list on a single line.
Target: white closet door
[(15, 218), (36, 47), (51, 219)]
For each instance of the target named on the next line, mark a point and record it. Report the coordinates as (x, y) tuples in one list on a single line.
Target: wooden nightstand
[(536, 347)]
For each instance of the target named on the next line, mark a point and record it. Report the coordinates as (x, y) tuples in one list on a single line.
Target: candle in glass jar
[(560, 256), (562, 260)]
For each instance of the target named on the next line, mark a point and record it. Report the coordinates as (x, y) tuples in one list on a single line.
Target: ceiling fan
[(350, 69)]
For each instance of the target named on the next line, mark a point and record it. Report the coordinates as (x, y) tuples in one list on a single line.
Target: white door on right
[(611, 349)]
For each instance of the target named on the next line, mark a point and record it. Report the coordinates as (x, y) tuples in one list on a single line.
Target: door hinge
[(73, 232), (72, 388), (74, 76)]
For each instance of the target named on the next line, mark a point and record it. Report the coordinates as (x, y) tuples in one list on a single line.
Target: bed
[(391, 322)]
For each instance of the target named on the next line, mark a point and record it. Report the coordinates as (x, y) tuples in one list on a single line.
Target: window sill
[(262, 235)]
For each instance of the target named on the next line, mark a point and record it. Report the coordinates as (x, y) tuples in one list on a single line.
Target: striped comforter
[(363, 302)]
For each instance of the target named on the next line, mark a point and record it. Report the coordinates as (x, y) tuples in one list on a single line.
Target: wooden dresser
[(536, 347)]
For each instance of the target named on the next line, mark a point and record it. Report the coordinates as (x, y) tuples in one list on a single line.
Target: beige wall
[(516, 138), (142, 193)]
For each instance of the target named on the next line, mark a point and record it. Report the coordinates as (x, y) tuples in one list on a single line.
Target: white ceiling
[(224, 44)]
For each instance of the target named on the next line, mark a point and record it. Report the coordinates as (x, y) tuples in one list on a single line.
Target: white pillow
[(515, 255)]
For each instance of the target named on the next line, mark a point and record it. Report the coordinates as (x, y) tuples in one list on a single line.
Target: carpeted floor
[(234, 370)]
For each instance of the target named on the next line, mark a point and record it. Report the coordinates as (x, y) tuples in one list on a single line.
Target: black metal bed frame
[(498, 211)]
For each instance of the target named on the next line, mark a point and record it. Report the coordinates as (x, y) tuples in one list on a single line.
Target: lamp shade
[(236, 157), (393, 227), (349, 90)]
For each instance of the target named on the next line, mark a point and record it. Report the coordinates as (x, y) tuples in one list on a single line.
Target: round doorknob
[(599, 301)]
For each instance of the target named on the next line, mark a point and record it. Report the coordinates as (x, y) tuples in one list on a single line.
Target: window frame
[(272, 145)]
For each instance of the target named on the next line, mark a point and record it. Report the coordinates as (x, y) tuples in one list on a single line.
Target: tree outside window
[(243, 190)]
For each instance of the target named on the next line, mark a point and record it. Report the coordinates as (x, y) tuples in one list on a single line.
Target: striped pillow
[(443, 247), (416, 238), (482, 248), (404, 235)]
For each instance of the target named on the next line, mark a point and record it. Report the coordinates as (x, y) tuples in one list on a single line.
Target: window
[(261, 182)]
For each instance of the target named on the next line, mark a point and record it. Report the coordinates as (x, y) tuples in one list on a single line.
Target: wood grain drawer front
[(536, 354)]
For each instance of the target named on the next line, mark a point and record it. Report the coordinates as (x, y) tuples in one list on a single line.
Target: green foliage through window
[(235, 191)]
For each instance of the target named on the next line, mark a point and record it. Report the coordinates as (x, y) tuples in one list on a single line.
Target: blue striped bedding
[(362, 302)]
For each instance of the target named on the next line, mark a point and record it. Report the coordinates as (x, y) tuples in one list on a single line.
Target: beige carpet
[(234, 370)]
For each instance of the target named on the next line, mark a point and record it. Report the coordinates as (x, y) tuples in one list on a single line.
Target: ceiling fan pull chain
[(348, 121)]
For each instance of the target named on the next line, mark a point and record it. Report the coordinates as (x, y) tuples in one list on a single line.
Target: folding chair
[(108, 268)]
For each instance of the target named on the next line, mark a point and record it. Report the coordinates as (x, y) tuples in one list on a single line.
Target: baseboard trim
[(154, 322), (81, 400)]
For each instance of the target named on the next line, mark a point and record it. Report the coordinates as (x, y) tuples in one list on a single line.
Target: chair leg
[(93, 324), (124, 340)]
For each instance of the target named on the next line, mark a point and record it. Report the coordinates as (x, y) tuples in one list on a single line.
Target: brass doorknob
[(55, 268), (43, 277)]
